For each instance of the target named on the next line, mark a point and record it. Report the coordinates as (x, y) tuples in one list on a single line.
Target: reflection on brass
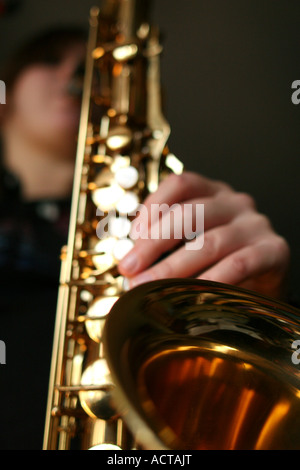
[(97, 404), (126, 52), (205, 366), (105, 177), (96, 316), (103, 262), (102, 159), (105, 447), (143, 31), (174, 164), (120, 161), (98, 52), (119, 138)]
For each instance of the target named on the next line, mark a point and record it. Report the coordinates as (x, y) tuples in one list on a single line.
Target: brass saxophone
[(122, 155), (173, 364)]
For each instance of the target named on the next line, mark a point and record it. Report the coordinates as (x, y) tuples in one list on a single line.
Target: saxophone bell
[(204, 366)]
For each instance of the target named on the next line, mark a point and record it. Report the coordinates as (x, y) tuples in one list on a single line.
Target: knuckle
[(211, 245), (239, 266), (261, 223), (183, 182), (223, 187), (281, 247), (180, 182), (173, 178), (245, 200), (182, 179), (262, 230)]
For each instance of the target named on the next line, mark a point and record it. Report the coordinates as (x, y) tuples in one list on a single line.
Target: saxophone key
[(106, 199), (124, 53), (127, 177), (103, 258), (119, 227), (122, 247), (97, 404), (119, 137), (128, 204), (96, 316)]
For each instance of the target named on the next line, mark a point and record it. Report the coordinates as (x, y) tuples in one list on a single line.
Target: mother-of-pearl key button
[(119, 227), (128, 204), (121, 248), (106, 198), (127, 177)]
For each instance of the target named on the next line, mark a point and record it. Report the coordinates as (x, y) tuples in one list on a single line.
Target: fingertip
[(140, 279), (129, 264)]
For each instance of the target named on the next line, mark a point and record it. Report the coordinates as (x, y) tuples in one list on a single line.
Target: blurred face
[(40, 106)]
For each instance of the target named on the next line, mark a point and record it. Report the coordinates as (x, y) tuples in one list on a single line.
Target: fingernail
[(140, 279), (129, 262), (126, 284)]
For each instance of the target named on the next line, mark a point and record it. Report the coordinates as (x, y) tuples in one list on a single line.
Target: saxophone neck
[(126, 17)]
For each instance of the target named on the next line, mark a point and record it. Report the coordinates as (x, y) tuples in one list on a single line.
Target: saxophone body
[(173, 364), (122, 155)]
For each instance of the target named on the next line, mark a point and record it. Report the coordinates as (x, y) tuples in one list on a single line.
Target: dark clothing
[(31, 237)]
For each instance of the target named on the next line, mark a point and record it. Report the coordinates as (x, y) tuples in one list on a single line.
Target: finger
[(220, 209), (252, 261), (185, 262), (183, 225), (180, 188), (164, 235), (188, 185)]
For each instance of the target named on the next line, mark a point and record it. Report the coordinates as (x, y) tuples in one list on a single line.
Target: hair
[(47, 47)]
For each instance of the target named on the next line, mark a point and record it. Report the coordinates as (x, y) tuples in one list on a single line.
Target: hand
[(240, 246)]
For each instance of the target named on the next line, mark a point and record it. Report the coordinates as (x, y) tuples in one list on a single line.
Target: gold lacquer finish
[(201, 365), (122, 155)]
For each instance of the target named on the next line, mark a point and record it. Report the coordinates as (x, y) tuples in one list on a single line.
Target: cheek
[(30, 98), (40, 107)]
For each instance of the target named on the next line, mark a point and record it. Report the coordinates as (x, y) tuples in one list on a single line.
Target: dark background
[(227, 69)]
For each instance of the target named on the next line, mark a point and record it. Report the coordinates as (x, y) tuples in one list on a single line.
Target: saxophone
[(122, 155), (172, 364)]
